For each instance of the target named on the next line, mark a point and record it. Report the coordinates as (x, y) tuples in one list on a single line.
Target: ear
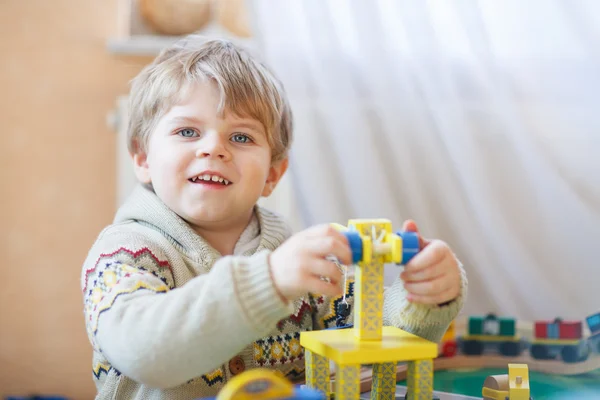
[(140, 166), (276, 171)]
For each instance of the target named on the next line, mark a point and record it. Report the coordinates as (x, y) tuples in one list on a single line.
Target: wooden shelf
[(135, 37), (140, 45)]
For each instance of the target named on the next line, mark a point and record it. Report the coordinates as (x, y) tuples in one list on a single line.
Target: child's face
[(192, 143)]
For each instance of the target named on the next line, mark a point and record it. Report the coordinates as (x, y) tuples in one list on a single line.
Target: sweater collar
[(144, 206)]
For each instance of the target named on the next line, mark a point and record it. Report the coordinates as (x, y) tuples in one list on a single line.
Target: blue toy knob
[(410, 245), (355, 245)]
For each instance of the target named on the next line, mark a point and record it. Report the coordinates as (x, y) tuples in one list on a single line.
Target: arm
[(429, 321), (163, 336), (424, 320), (423, 300), (430, 292)]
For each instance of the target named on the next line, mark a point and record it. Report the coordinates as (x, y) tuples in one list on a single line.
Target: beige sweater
[(170, 318)]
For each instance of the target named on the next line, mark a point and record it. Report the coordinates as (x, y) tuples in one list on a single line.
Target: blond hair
[(247, 88)]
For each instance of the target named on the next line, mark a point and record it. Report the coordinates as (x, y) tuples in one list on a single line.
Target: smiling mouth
[(210, 179)]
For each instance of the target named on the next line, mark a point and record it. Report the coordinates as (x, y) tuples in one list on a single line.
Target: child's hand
[(299, 263), (433, 275)]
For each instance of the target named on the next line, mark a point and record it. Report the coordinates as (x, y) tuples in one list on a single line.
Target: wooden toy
[(368, 342), (513, 386)]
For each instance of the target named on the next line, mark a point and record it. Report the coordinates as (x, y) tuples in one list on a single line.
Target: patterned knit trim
[(297, 319), (214, 377), (138, 286), (134, 255), (278, 350), (329, 319), (211, 379), (100, 368), (102, 296), (295, 373)]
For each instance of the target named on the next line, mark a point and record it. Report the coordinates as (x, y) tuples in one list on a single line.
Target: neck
[(223, 237)]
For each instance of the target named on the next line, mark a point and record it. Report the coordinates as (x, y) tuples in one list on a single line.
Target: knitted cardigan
[(168, 317)]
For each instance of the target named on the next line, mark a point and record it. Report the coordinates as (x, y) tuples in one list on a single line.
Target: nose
[(212, 145)]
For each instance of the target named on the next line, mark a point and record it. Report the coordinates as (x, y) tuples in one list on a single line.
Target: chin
[(210, 215), (199, 218), (213, 214)]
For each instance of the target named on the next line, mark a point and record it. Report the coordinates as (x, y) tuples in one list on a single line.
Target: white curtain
[(478, 119)]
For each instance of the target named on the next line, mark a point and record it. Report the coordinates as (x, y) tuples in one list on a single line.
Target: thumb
[(411, 226)]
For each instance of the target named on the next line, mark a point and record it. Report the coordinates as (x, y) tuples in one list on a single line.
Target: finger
[(432, 272), (411, 226), (431, 287), (325, 268), (439, 298), (329, 241), (319, 286), (433, 254), (323, 230), (318, 230)]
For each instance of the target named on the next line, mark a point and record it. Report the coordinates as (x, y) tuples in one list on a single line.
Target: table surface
[(401, 391)]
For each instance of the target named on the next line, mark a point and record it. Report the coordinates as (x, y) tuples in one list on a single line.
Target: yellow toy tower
[(373, 244)]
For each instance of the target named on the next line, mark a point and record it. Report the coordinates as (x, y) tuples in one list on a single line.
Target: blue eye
[(240, 138), (187, 133)]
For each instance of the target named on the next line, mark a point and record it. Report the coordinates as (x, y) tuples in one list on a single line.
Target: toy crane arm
[(375, 241)]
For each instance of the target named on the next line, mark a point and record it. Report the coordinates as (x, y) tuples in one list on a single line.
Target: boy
[(193, 283)]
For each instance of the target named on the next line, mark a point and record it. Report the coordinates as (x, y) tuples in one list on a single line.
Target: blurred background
[(477, 119)]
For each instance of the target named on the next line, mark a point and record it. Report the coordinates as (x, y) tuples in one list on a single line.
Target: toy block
[(342, 346), (317, 371), (368, 309), (518, 381), (409, 247), (347, 386), (419, 379), (384, 381), (513, 386)]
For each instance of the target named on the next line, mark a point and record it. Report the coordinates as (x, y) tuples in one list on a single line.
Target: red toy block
[(570, 330), (541, 330)]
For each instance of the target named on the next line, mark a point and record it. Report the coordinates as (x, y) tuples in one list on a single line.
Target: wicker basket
[(175, 17)]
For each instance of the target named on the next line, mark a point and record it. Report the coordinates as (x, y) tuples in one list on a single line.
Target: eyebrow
[(191, 120), (249, 125)]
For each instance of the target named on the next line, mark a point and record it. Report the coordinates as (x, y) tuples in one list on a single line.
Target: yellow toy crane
[(373, 244), (511, 386)]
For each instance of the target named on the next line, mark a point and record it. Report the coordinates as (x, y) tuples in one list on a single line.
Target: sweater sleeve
[(427, 321), (163, 336)]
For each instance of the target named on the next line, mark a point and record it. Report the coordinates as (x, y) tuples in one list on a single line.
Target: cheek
[(168, 157), (261, 171), (168, 164)]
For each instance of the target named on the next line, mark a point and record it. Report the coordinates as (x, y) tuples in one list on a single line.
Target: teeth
[(213, 178)]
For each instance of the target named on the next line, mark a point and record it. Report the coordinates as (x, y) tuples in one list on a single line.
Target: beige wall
[(57, 183)]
